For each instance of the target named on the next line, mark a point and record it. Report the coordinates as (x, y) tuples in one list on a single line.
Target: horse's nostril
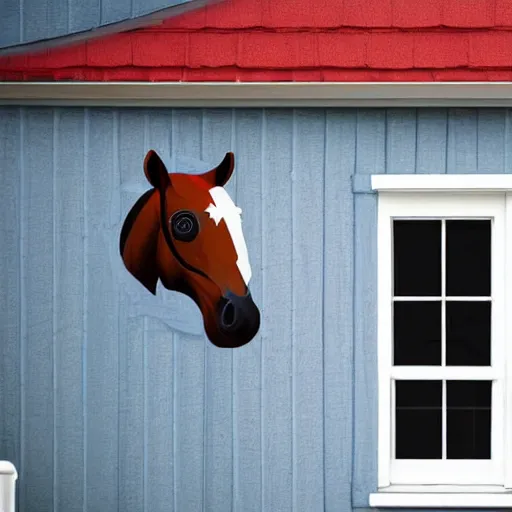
[(237, 320), (228, 315)]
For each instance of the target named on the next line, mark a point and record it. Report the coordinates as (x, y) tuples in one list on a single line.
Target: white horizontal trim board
[(470, 500), (259, 94), (444, 372), (455, 472), (479, 183)]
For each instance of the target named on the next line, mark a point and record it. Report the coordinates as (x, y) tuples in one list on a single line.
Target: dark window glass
[(417, 257), (417, 333), (468, 333), (468, 258), (418, 419), (468, 419)]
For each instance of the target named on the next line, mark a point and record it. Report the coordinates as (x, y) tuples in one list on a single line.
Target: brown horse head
[(187, 232)]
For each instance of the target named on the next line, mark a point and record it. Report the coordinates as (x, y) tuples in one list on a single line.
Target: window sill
[(438, 496)]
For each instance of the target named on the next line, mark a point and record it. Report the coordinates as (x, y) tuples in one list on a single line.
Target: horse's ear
[(219, 176), (155, 170)]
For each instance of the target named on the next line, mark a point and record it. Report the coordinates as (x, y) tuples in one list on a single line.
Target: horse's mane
[(132, 215)]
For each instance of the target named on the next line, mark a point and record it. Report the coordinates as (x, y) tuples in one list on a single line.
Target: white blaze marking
[(224, 208)]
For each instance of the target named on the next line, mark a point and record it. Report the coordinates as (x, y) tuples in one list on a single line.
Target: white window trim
[(444, 189), (436, 498), (481, 183)]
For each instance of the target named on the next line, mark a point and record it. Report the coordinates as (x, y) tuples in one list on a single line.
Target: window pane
[(417, 257), (468, 333), (418, 419), (468, 258), (468, 419), (417, 333)]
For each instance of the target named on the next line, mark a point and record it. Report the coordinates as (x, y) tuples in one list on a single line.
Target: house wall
[(113, 399), (29, 21)]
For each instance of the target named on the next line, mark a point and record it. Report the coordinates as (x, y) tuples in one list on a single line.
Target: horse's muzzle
[(238, 318)]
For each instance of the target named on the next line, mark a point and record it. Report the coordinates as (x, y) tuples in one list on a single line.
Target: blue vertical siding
[(491, 128), (277, 317), (247, 362), (112, 399), (68, 308), (431, 141), (131, 133), (38, 293), (307, 309), (462, 141), (11, 331), (372, 128), (338, 320), (101, 344)]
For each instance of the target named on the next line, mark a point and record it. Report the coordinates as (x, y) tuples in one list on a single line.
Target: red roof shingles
[(299, 40), (503, 14), (468, 13)]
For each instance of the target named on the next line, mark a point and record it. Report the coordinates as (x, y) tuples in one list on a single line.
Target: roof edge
[(258, 94), (142, 21)]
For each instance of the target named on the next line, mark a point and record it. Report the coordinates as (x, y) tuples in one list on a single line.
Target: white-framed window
[(444, 341)]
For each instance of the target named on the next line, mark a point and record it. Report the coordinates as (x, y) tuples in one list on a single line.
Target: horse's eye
[(184, 226)]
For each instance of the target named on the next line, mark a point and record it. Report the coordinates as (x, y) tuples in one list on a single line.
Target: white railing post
[(8, 477)]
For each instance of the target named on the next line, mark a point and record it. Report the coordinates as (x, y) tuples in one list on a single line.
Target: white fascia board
[(442, 182), (258, 94)]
